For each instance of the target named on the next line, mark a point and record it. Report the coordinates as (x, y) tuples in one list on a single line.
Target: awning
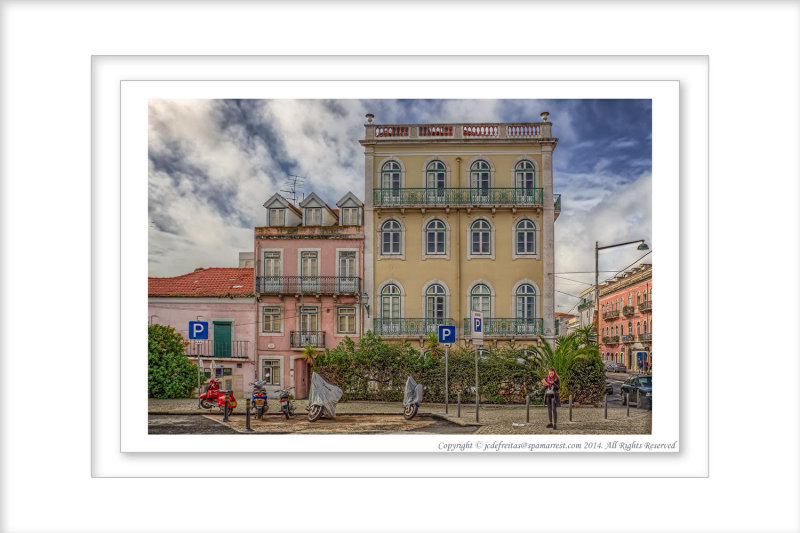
[(638, 347)]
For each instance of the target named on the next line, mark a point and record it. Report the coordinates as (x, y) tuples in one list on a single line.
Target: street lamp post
[(597, 248)]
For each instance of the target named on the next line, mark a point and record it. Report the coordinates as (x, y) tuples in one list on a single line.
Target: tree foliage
[(170, 374)]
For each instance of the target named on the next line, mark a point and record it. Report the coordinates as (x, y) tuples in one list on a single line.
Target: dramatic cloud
[(214, 162)]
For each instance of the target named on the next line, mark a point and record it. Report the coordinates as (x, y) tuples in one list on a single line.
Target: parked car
[(609, 387), (611, 366), (643, 384)]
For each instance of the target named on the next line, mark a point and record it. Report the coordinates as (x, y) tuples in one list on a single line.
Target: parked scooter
[(287, 407), (322, 398), (208, 399), (411, 398), (258, 399)]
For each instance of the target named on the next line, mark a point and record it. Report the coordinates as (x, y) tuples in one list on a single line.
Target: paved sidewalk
[(498, 420)]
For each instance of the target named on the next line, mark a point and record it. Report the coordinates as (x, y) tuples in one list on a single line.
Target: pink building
[(222, 297), (626, 322), (309, 267)]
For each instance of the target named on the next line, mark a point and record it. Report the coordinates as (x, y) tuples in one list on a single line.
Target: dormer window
[(277, 217), (313, 216), (349, 216)]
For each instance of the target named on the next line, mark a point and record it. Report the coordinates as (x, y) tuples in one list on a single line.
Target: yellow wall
[(502, 273)]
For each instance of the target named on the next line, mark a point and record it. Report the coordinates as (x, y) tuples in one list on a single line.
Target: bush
[(586, 380), (375, 370), (170, 374)]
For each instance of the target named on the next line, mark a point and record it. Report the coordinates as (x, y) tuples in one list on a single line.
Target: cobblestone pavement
[(493, 419)]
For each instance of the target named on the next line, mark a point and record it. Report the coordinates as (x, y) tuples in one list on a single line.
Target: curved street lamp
[(597, 248)]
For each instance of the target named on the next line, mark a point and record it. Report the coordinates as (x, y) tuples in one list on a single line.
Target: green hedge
[(375, 370)]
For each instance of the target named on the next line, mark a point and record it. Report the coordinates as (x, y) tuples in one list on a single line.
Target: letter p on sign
[(198, 330)]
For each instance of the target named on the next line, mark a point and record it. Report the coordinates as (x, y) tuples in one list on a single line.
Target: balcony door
[(222, 339), (309, 271), (309, 326), (348, 272), (480, 181), (272, 272), (435, 182)]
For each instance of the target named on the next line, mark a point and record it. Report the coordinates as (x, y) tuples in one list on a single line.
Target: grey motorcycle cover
[(324, 394), (413, 393)]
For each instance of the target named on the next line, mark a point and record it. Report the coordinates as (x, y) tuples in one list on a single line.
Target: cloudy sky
[(213, 163)]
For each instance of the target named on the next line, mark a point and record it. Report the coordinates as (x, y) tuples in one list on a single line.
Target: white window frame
[(425, 287), (262, 360), (307, 211), (402, 254), (281, 321), (491, 254), (537, 300), (379, 169), (491, 297), (271, 209), (340, 332), (425, 254), (536, 237), (350, 210)]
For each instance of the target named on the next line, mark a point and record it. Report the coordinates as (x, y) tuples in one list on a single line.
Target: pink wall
[(609, 328), (177, 312)]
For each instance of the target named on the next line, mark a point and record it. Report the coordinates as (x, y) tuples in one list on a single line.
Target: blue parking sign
[(447, 334), (198, 330)]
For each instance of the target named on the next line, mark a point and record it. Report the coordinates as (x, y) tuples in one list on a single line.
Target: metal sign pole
[(446, 373), (477, 394)]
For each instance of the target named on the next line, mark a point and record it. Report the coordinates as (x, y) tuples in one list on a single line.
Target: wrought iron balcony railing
[(301, 339), (213, 349), (308, 284), (508, 327), (627, 310), (411, 327), (458, 196), (614, 339), (628, 338), (646, 305), (557, 200), (647, 337), (585, 305), (610, 315)]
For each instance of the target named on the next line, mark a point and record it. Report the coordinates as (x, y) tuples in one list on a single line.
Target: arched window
[(481, 300), (390, 302), (638, 298), (526, 237), (436, 177), (638, 328), (526, 302), (480, 233), (480, 178), (630, 328), (435, 303), (391, 177), (616, 330), (390, 235), (645, 327), (435, 237), (630, 299), (524, 177)]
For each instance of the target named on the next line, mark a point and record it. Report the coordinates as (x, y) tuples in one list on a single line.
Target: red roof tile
[(205, 282)]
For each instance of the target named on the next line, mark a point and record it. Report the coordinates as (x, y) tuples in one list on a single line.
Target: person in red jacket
[(552, 400)]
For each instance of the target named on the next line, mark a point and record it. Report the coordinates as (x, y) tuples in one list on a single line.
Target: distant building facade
[(586, 307), (308, 284), (562, 322), (224, 298), (626, 323)]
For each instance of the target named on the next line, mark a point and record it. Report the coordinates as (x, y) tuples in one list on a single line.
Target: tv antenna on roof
[(291, 186)]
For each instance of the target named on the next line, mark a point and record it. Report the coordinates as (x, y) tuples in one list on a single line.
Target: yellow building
[(459, 217)]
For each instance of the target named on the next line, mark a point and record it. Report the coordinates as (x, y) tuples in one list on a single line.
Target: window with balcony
[(435, 233), (277, 217), (480, 178), (346, 321), (481, 300), (271, 319), (435, 179), (525, 302), (525, 178), (526, 237), (638, 298), (391, 178), (480, 233), (391, 238), (435, 302)]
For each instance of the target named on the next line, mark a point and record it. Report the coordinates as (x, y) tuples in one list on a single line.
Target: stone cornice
[(627, 281)]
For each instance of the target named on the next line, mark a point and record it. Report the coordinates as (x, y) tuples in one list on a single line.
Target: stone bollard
[(638, 400), (527, 408), (225, 409), (570, 407), (247, 417)]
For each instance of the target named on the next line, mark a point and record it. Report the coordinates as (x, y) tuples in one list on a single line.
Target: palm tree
[(568, 349), (587, 335), (432, 345)]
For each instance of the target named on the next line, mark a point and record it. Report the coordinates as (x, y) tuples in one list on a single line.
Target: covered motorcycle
[(322, 398), (411, 398)]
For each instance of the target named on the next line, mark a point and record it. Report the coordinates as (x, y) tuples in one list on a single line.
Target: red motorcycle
[(213, 396)]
